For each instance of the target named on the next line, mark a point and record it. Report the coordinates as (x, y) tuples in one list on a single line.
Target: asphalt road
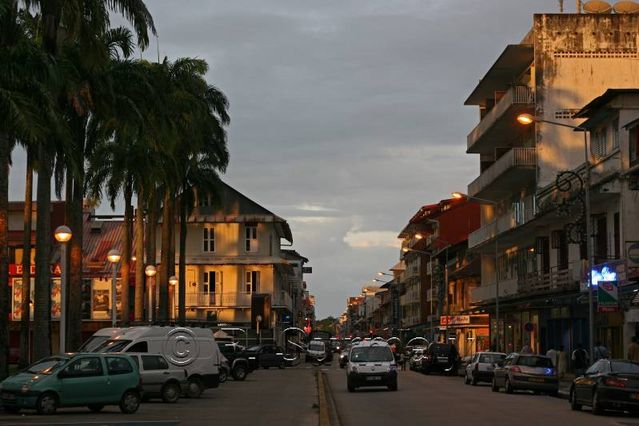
[(440, 400), (266, 397)]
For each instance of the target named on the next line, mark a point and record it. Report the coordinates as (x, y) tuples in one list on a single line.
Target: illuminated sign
[(614, 270)]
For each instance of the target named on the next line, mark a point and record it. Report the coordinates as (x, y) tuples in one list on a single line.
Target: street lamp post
[(527, 119), (150, 272), (114, 257), (173, 281), (460, 195), (63, 236)]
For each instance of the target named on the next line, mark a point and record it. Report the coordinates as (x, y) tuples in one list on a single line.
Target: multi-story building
[(565, 61)]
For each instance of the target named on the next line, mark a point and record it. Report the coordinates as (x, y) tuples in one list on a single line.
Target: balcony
[(499, 124), (511, 171), (519, 214), (282, 299), (557, 280), (222, 300)]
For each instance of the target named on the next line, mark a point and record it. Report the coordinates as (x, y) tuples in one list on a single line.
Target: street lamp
[(150, 272), (462, 196), (63, 236), (114, 257), (173, 281), (527, 119)]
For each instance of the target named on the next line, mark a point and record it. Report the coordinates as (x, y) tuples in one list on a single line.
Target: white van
[(192, 349), (371, 363)]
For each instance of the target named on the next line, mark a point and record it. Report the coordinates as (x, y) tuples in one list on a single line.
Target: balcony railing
[(553, 281), (515, 158), (202, 299), (520, 213), (282, 300), (515, 100)]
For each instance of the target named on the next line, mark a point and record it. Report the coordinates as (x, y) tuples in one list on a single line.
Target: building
[(533, 258)]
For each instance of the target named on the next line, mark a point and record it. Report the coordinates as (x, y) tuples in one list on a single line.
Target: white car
[(481, 366), (316, 350), (371, 363)]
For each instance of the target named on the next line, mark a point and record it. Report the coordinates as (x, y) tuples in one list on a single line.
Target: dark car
[(607, 384), (525, 372), (238, 359), (441, 358), (265, 356)]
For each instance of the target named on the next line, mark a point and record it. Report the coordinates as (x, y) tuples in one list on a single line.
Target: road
[(439, 400), (266, 397)]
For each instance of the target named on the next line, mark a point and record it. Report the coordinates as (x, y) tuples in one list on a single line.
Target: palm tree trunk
[(126, 253), (5, 295), (74, 294), (138, 312), (182, 267), (151, 228), (25, 318), (42, 311), (165, 259)]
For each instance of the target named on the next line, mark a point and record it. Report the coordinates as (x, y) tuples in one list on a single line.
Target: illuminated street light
[(150, 272), (63, 236), (114, 257), (527, 119)]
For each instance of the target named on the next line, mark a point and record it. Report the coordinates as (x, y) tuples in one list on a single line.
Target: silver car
[(481, 366), (159, 378), (526, 372)]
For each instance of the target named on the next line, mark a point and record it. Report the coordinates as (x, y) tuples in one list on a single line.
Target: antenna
[(626, 7), (597, 7)]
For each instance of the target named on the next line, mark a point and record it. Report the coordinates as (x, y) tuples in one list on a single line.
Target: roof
[(293, 255), (512, 62), (600, 101)]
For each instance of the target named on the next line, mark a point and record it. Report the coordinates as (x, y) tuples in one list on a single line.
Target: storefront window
[(17, 298), (101, 298)]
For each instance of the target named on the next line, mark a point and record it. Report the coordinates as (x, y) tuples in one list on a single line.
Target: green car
[(92, 380)]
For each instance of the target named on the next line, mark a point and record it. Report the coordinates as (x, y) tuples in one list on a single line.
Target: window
[(598, 143), (252, 281), (250, 235), (85, 367), (615, 133), (204, 200), (212, 281), (208, 240), (154, 362), (118, 365), (139, 347)]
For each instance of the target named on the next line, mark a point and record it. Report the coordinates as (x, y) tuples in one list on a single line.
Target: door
[(155, 372), (267, 356), (120, 378), (83, 382)]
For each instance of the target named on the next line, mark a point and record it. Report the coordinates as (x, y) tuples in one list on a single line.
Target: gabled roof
[(293, 255), (600, 101)]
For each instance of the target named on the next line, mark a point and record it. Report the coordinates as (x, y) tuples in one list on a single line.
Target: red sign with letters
[(15, 270)]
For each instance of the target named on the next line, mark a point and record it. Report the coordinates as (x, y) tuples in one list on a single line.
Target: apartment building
[(536, 260)]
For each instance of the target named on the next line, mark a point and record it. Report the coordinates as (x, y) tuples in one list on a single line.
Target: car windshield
[(624, 367), (113, 346), (491, 358), (372, 354), (47, 365), (534, 361), (316, 346), (93, 343)]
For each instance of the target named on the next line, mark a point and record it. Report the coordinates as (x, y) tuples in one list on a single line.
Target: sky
[(346, 115)]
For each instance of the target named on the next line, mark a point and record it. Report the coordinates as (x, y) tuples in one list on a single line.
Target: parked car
[(607, 384), (184, 347), (266, 355), (415, 361), (481, 366), (92, 380), (525, 372), (440, 357), (371, 363), (159, 378), (238, 360)]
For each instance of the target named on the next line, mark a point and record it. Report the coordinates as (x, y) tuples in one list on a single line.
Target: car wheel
[(47, 403), (350, 386), (95, 408), (596, 405), (507, 386), (171, 393), (281, 365), (239, 373), (473, 381), (574, 405), (130, 402), (195, 388), (393, 386), (223, 375), (494, 386)]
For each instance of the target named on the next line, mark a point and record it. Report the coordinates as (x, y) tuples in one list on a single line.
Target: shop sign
[(608, 296), (15, 269), (454, 320), (615, 270)]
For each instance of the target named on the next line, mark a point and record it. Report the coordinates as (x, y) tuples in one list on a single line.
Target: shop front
[(469, 332)]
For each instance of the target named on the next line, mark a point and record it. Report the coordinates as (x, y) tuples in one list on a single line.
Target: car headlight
[(25, 388)]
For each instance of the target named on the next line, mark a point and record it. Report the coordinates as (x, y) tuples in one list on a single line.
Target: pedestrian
[(633, 350), (600, 352), (552, 354), (526, 349), (402, 361), (562, 362), (579, 360)]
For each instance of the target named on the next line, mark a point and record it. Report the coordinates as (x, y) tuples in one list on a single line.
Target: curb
[(327, 411)]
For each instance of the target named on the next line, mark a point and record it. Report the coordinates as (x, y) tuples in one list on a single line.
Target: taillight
[(515, 369), (614, 382)]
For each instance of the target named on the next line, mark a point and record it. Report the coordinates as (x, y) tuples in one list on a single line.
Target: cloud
[(370, 239)]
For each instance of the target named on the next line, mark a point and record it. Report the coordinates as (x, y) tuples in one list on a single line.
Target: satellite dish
[(626, 7), (597, 6)]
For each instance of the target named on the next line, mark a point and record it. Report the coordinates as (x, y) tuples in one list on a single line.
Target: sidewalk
[(564, 385)]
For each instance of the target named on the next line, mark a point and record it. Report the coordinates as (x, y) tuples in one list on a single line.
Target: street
[(442, 400)]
